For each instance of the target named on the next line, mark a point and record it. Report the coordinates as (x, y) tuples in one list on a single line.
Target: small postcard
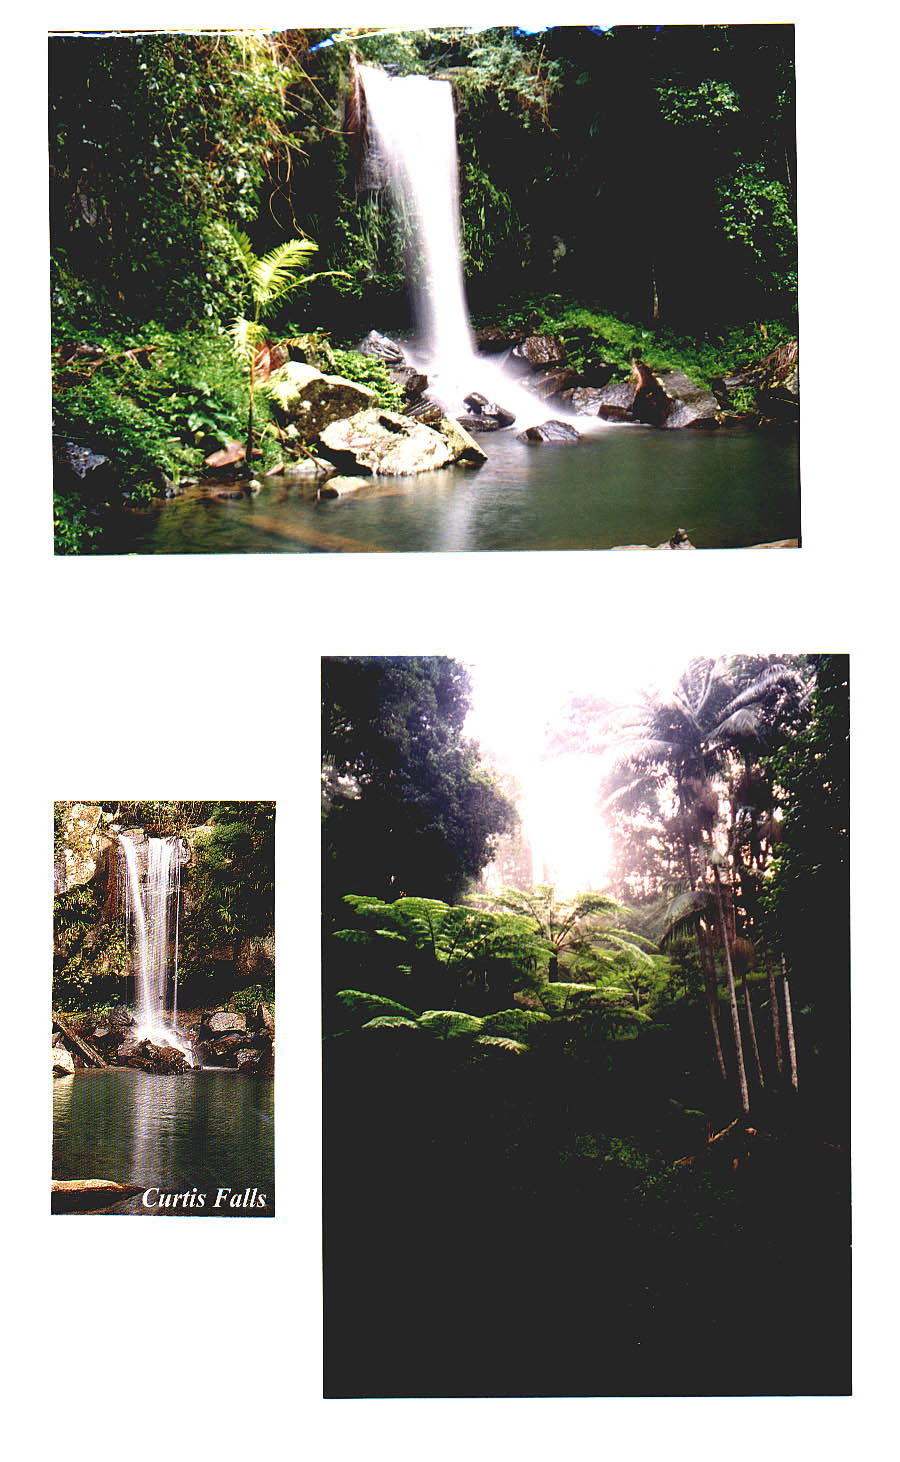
[(163, 1008)]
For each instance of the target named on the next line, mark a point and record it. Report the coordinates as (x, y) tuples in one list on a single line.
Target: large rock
[(583, 400), (464, 448), (314, 350), (147, 1056), (311, 401), (381, 347), (488, 411), (650, 403), (226, 1020), (425, 410), (493, 340), (549, 431), (63, 1064), (541, 350), (550, 382), (384, 443), (691, 404)]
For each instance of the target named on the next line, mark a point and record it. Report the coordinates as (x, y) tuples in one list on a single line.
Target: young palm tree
[(267, 281)]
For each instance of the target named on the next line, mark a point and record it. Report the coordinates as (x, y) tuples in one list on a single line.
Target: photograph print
[(163, 1008), (430, 290), (586, 1018)]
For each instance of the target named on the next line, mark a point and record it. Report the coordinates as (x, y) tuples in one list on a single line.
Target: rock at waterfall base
[(382, 442), (381, 347), (549, 431), (147, 1056), (465, 449)]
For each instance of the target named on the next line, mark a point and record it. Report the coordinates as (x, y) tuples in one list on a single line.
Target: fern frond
[(391, 1022), (504, 1043), (275, 273), (448, 1023)]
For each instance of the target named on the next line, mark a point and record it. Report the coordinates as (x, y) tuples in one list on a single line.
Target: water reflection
[(203, 1130), (628, 485)]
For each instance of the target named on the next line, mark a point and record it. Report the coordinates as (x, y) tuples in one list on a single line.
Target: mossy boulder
[(311, 401)]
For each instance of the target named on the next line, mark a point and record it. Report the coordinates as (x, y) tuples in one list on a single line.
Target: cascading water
[(152, 910), (412, 141)]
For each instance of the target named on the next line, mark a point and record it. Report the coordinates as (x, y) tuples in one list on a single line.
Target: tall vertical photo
[(367, 289), (586, 1019), (163, 1008)]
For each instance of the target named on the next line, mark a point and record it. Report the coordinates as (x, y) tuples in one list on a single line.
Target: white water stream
[(152, 908), (413, 134)]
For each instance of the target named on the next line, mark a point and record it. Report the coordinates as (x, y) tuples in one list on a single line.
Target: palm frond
[(245, 336)]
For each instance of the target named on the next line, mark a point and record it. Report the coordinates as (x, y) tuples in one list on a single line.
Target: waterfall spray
[(152, 909), (412, 143)]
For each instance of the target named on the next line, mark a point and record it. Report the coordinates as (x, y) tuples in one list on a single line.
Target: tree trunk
[(789, 1022), (709, 981), (776, 1017), (750, 1023), (732, 996)]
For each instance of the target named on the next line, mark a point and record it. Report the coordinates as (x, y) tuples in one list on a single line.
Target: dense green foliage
[(409, 808)]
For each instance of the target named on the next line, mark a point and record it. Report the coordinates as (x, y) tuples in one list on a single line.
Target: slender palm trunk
[(732, 996), (789, 1022), (776, 1017), (712, 1004), (750, 1022)]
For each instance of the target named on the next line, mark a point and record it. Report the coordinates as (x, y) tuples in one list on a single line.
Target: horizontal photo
[(164, 1008), (586, 1013), (428, 290)]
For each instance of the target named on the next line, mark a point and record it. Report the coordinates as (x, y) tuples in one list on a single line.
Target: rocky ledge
[(216, 1037)]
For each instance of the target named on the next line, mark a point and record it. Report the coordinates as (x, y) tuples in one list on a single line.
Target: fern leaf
[(391, 1022), (503, 1043)]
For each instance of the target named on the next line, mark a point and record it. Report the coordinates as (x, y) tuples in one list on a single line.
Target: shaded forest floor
[(519, 1228)]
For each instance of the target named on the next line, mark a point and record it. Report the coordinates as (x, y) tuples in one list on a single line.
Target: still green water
[(205, 1129), (624, 485)]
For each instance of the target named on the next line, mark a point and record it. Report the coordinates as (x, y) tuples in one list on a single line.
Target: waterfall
[(152, 909), (412, 143)]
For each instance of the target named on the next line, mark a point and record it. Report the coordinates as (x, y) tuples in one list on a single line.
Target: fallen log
[(84, 1048), (85, 1195)]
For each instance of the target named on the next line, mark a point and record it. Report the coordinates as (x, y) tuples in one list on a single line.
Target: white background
[(198, 677)]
